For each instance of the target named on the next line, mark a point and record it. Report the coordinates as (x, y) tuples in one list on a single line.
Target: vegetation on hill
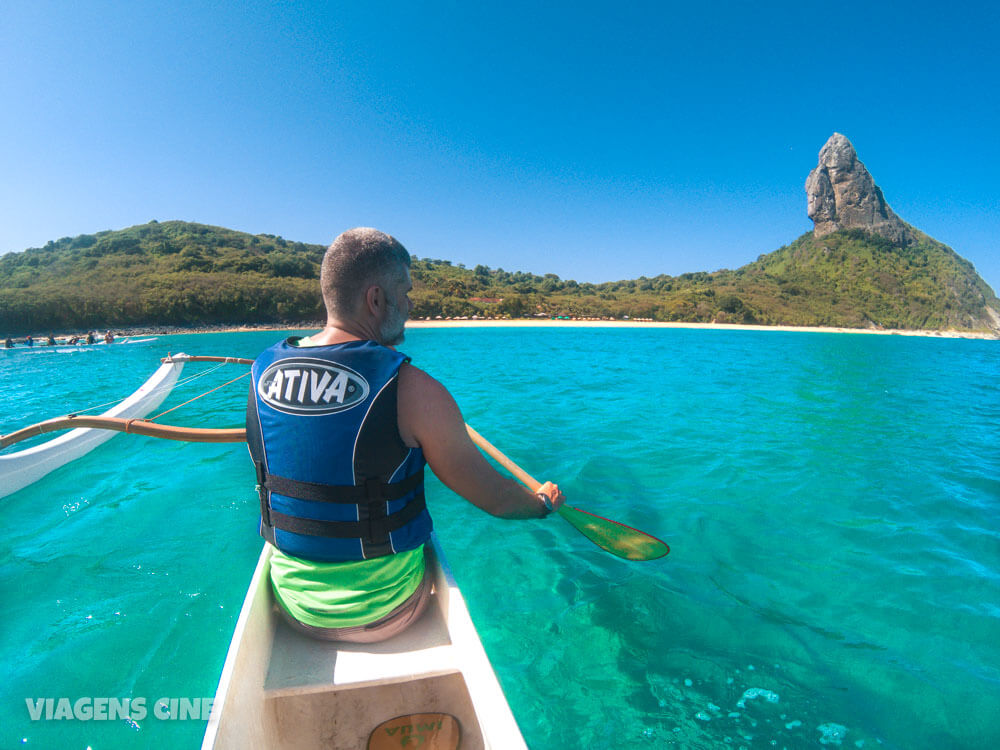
[(174, 273), (848, 279), (182, 274)]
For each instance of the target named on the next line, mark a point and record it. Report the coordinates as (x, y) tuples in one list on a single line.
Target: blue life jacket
[(336, 481)]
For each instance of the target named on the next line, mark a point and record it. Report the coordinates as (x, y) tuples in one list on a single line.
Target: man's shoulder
[(427, 412), (415, 385), (411, 376)]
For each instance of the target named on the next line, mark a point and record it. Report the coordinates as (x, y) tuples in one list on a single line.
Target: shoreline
[(525, 323), (549, 323)]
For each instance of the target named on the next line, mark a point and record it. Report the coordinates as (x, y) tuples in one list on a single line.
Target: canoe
[(430, 687), (40, 345), (116, 342), (18, 470)]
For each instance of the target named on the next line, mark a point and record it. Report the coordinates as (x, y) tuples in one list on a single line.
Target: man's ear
[(374, 299)]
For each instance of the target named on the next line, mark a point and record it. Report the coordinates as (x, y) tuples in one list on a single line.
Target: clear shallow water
[(832, 502)]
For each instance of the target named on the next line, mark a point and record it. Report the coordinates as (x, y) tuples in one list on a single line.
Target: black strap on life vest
[(374, 524), (356, 494)]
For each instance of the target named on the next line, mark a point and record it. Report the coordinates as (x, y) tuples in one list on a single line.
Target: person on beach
[(339, 427)]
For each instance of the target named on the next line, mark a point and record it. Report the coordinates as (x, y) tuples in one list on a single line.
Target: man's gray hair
[(357, 259)]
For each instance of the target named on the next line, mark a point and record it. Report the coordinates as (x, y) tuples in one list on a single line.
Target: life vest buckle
[(265, 509)]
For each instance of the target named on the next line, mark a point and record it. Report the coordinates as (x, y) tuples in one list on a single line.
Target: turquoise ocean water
[(832, 502)]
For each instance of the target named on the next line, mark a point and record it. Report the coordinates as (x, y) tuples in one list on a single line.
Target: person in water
[(109, 338), (8, 344), (90, 337), (51, 340), (28, 341), (340, 426)]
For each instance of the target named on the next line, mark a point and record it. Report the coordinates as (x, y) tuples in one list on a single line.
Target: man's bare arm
[(430, 418)]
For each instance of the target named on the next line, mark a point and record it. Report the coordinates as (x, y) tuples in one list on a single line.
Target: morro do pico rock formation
[(843, 195)]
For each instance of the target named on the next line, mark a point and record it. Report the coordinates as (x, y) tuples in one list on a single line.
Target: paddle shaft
[(493, 452)]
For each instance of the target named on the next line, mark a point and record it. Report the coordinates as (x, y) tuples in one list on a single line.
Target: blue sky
[(596, 141)]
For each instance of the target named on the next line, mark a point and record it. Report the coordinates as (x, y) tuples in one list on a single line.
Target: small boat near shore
[(40, 344), (431, 686), (18, 470)]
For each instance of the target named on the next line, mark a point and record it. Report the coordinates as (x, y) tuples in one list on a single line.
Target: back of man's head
[(356, 260)]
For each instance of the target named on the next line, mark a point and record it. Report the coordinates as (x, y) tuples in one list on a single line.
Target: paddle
[(611, 536)]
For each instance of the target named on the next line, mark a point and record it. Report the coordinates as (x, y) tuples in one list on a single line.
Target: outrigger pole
[(132, 426)]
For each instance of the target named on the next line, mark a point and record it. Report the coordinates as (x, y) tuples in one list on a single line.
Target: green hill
[(174, 273), (848, 279), (858, 280), (182, 274)]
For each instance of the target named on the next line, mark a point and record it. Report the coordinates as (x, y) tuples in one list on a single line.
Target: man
[(339, 426)]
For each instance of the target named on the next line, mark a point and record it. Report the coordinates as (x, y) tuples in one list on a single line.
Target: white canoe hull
[(18, 470), (283, 690)]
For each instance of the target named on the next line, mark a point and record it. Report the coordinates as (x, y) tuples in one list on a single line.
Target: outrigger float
[(18, 470)]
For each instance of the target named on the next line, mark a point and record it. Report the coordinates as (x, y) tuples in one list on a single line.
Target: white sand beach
[(548, 323)]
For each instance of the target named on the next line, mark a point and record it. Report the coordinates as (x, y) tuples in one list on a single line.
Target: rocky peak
[(842, 195)]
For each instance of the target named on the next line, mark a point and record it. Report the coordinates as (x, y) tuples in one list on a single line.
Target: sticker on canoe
[(424, 731), (311, 387)]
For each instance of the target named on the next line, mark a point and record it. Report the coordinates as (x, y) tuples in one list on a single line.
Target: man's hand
[(551, 491)]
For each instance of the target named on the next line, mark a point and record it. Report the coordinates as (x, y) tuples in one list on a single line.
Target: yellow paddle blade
[(611, 536), (614, 537)]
